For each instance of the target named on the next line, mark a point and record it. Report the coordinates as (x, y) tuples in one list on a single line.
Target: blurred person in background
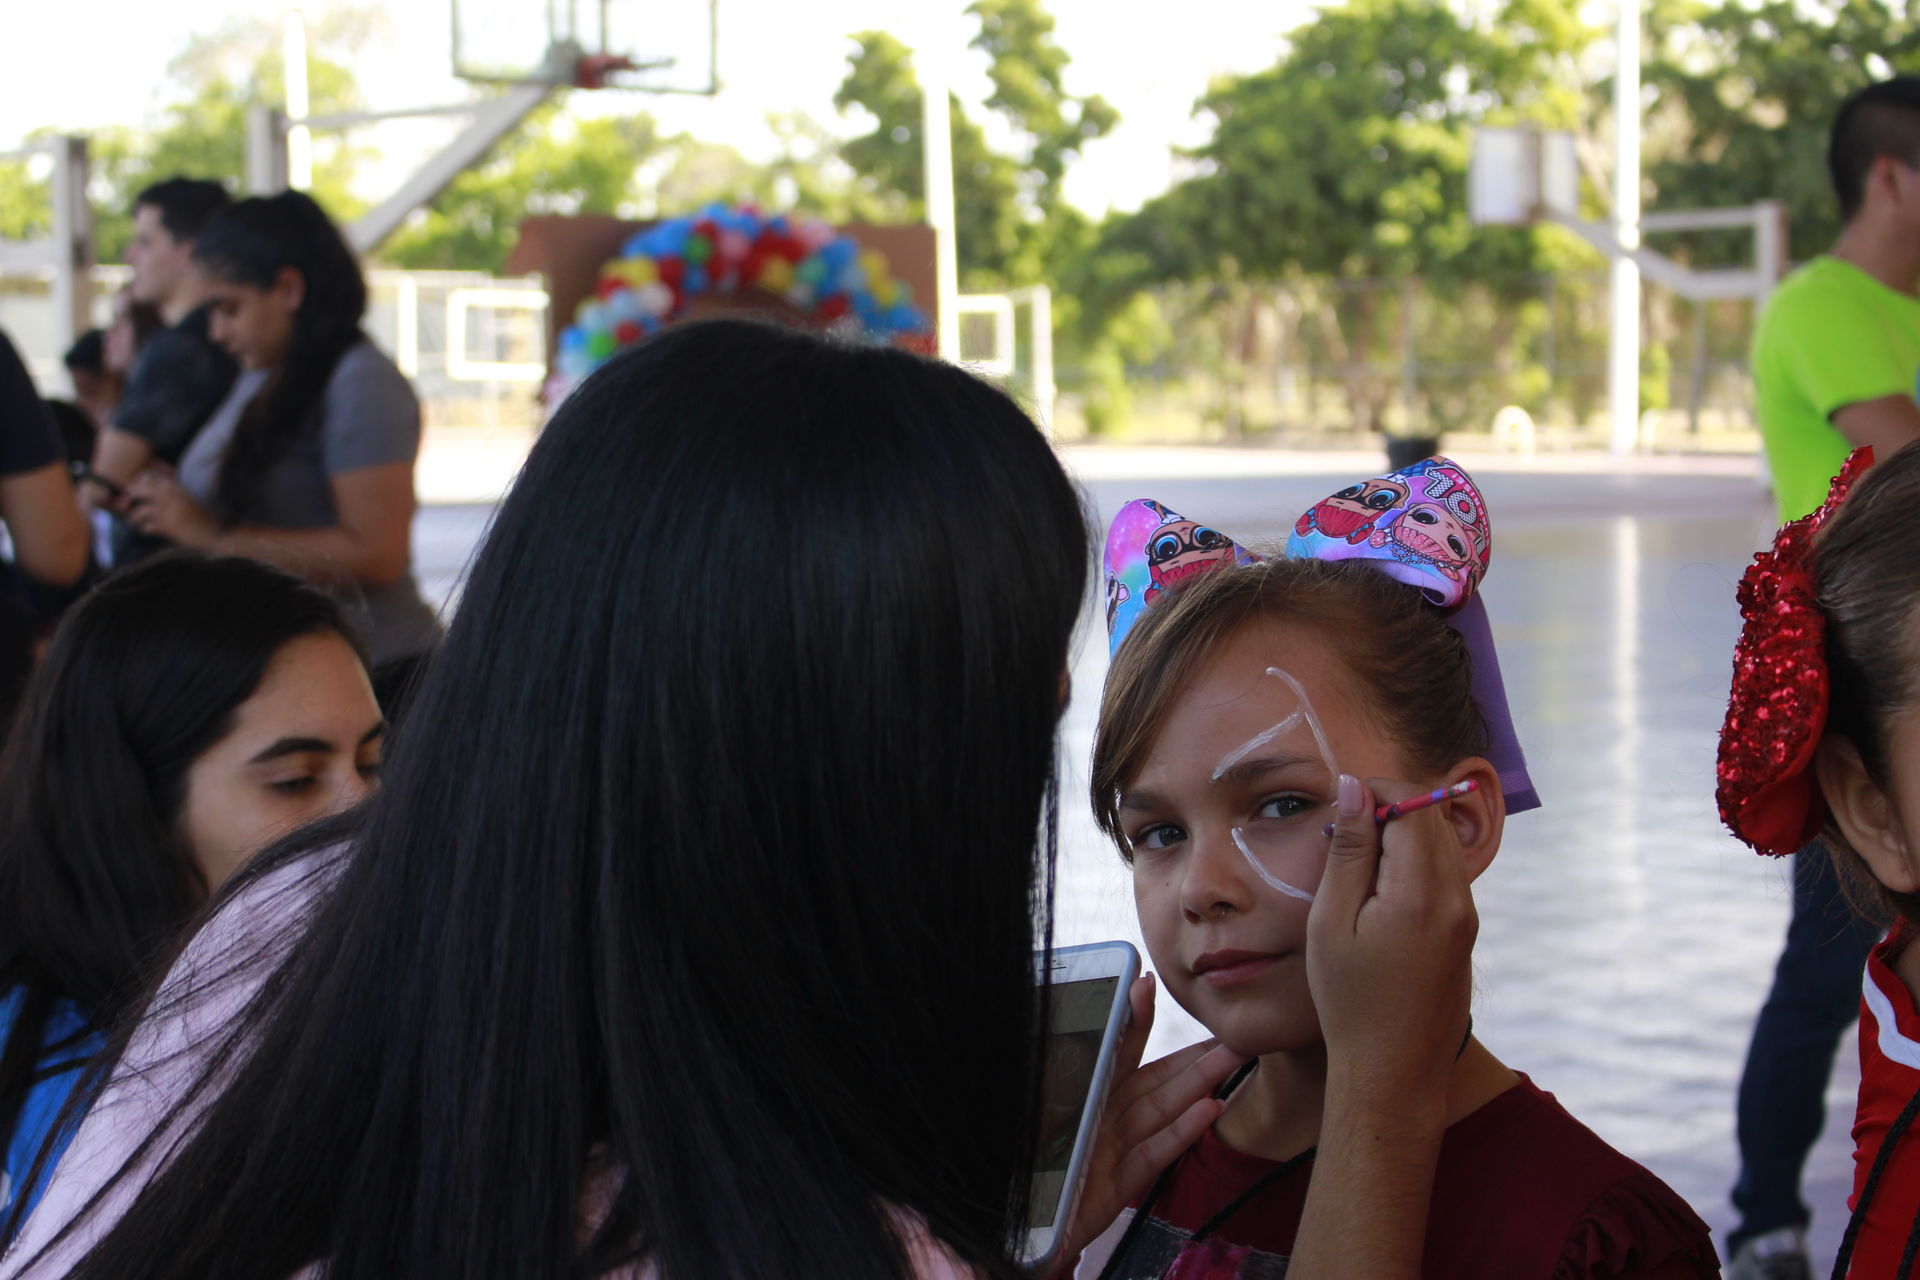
[(309, 461), (181, 375), (51, 545)]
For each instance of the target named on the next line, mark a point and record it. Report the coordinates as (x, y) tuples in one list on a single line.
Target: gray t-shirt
[(369, 417)]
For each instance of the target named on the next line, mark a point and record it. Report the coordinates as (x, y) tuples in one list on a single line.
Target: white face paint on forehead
[(1313, 718), (1252, 745)]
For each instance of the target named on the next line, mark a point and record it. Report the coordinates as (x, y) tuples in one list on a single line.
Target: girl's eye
[(293, 786), (1159, 836), (1287, 807), (370, 771)]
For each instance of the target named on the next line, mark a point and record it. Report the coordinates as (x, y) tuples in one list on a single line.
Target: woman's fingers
[(1153, 1097), (1133, 1041), (1152, 1115), (1353, 858), (1142, 1162), (1420, 855)]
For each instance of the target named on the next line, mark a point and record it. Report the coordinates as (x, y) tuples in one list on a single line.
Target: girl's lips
[(1231, 968)]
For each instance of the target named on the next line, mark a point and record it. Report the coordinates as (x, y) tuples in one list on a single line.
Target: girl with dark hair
[(308, 463), (1820, 748), (187, 713), (692, 931)]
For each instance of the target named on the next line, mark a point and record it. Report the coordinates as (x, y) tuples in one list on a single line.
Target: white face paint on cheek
[(1307, 713), (1240, 842)]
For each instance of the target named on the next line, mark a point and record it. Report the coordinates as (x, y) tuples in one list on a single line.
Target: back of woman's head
[(141, 678), (251, 244), (709, 840), (1415, 667), (1867, 577)]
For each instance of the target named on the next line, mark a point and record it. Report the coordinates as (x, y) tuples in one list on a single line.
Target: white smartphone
[(1088, 989)]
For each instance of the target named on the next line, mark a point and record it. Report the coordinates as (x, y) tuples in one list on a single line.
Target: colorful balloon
[(840, 284)]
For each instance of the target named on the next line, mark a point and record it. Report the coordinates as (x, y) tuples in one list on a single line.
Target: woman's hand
[(1390, 942), (1153, 1114), (1389, 959), (156, 504)]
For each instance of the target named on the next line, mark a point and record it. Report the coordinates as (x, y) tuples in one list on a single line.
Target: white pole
[(936, 152), (1044, 390), (1623, 341), (72, 240), (293, 54)]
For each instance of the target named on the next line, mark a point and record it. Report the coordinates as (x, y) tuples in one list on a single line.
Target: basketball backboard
[(668, 46), (1519, 175)]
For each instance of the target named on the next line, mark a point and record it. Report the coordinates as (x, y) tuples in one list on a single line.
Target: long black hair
[(251, 244), (140, 679), (709, 848)]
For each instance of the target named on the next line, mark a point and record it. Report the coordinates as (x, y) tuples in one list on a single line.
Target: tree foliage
[(1743, 95), (217, 79), (1346, 161), (1348, 157), (1012, 217)]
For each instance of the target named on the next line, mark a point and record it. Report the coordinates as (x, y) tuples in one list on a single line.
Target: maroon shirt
[(1523, 1191)]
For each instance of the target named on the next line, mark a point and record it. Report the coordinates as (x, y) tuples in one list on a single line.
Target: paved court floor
[(1625, 940)]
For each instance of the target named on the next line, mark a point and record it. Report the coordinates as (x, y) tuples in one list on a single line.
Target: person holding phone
[(187, 712), (691, 932)]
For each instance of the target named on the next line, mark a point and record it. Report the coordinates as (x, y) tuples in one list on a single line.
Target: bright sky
[(107, 64)]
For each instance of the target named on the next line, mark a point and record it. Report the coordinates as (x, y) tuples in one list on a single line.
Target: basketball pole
[(1623, 339), (936, 158), (293, 58)]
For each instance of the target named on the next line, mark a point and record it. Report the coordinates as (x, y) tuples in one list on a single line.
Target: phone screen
[(1080, 1012)]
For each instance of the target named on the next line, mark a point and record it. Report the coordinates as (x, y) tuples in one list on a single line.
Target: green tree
[(891, 172), (552, 164), (1743, 96), (1013, 217), (623, 165), (1346, 161), (202, 130)]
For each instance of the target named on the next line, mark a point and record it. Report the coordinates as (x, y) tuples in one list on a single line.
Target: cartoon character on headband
[(1151, 550), (1117, 595), (1353, 512), (1444, 526), (1179, 548), (1425, 525), (1435, 536)]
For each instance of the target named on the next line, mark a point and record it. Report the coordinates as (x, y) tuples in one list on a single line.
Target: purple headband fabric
[(1425, 525)]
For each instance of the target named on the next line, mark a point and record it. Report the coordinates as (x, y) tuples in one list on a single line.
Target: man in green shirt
[(1835, 359), (1838, 348)]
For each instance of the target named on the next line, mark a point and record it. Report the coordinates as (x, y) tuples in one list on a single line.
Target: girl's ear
[(1479, 817), (1865, 814), (291, 288)]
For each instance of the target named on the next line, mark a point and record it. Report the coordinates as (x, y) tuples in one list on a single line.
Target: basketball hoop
[(590, 70)]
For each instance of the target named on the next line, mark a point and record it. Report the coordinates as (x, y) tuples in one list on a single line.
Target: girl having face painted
[(1241, 713)]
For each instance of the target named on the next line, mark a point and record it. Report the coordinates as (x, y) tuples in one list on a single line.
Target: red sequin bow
[(1777, 710)]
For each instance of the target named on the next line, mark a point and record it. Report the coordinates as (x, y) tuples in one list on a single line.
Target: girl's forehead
[(1271, 663)]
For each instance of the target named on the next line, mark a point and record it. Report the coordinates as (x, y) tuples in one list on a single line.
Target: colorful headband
[(661, 270), (1777, 708), (1425, 525)]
